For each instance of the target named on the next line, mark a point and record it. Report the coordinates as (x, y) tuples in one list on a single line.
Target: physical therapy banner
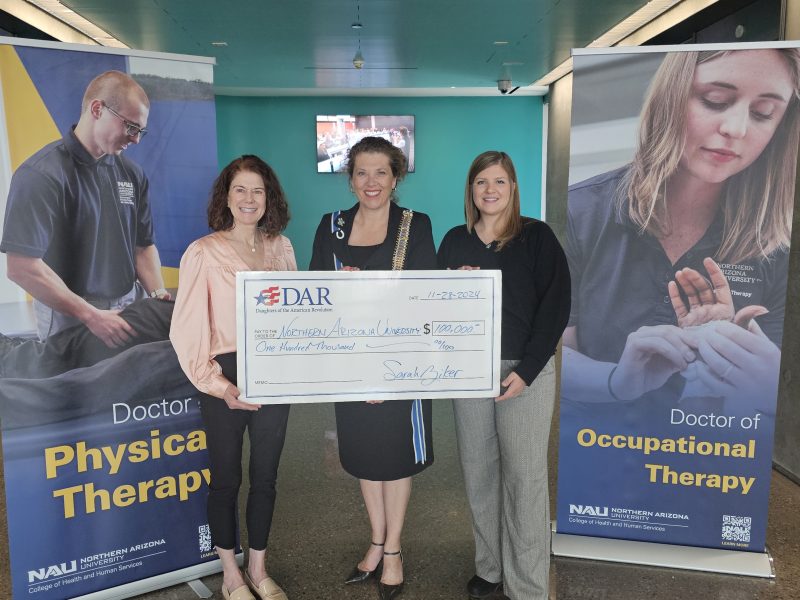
[(383, 335), (105, 463), (682, 175)]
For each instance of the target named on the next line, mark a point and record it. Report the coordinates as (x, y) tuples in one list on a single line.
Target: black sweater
[(536, 289)]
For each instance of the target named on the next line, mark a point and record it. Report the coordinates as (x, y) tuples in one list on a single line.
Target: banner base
[(200, 588), (692, 558), (142, 586)]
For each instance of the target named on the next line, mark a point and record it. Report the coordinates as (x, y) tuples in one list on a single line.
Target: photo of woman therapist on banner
[(679, 259)]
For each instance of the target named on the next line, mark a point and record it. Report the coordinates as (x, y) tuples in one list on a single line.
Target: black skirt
[(376, 440)]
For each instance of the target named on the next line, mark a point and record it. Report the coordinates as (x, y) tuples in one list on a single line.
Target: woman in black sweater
[(503, 441)]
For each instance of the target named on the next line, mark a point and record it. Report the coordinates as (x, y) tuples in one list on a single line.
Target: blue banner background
[(41, 536), (604, 479)]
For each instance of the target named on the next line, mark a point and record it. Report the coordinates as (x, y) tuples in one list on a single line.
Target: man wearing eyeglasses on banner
[(78, 231)]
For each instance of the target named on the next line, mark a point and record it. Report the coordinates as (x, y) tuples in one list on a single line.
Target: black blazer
[(421, 253)]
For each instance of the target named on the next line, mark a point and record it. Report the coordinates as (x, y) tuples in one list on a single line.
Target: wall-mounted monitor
[(337, 133)]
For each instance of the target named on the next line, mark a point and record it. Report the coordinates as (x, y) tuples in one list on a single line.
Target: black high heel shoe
[(359, 576), (387, 591)]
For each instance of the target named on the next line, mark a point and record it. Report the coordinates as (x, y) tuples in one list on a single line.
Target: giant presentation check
[(322, 336)]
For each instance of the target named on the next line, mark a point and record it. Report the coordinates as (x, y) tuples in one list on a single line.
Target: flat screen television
[(337, 133)]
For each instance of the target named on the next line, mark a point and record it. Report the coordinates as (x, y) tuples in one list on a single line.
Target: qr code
[(736, 529), (204, 538)]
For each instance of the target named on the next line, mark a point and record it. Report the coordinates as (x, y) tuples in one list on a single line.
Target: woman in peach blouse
[(247, 213)]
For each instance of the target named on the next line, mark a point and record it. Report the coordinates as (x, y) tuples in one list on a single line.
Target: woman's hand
[(708, 300), (514, 385), (744, 365), (231, 398), (349, 269), (705, 300), (650, 357)]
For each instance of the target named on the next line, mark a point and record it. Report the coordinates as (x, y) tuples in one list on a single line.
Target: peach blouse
[(204, 321)]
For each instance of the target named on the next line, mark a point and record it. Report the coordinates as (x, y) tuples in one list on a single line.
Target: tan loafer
[(240, 593), (267, 589)]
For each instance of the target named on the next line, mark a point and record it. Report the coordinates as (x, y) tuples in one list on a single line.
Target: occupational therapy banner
[(682, 179), (104, 454)]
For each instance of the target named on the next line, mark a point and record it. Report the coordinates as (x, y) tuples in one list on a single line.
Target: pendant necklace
[(250, 246), (486, 245)]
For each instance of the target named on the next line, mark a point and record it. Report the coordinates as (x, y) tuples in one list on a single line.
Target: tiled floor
[(320, 529)]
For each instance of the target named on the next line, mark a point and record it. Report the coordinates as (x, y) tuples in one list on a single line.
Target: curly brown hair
[(275, 218), (378, 145)]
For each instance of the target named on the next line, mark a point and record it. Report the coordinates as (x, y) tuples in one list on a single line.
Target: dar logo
[(268, 296)]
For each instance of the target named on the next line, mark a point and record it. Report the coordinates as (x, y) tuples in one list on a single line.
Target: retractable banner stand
[(104, 451), (682, 179)]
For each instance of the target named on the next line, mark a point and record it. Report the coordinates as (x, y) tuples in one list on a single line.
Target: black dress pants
[(225, 429)]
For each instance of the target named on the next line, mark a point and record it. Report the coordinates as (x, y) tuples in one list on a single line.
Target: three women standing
[(502, 441)]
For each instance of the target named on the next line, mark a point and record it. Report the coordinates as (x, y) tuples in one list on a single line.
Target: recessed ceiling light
[(356, 25), (501, 43), (219, 44), (66, 15)]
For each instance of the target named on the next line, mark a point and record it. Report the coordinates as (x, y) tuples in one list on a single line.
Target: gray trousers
[(503, 450)]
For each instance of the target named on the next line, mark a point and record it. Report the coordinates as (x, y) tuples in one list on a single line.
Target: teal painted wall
[(450, 132)]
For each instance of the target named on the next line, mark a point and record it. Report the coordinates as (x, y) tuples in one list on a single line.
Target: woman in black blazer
[(381, 443)]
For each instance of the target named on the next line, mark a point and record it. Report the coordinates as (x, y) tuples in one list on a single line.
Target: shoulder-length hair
[(511, 218), (756, 203), (378, 145), (275, 218)]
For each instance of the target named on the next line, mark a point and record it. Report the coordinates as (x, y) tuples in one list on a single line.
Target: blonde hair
[(113, 88), (756, 203), (511, 216)]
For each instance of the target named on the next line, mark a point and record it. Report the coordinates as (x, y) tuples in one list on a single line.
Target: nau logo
[(594, 511), (52, 571), (126, 192), (290, 296)]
